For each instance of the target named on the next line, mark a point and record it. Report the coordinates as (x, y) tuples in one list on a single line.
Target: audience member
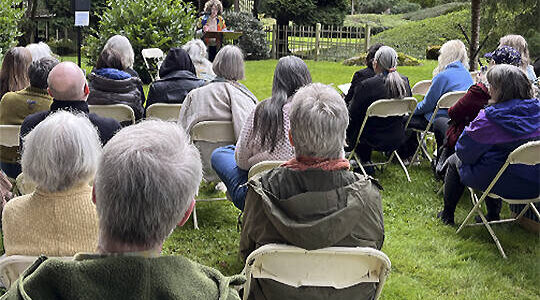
[(383, 134), (59, 219), (212, 20), (467, 108), (520, 44), (109, 84), (121, 44), (68, 87), (223, 99), (15, 106), (265, 134), (197, 52), (313, 201), (176, 79), (137, 209), (14, 71), (363, 74), (39, 50), (511, 119)]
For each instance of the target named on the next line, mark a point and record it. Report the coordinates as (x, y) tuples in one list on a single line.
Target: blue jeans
[(233, 177), (11, 170)]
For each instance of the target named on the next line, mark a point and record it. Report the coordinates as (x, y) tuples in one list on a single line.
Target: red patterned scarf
[(303, 163)]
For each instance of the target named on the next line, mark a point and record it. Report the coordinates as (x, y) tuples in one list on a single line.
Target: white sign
[(82, 18)]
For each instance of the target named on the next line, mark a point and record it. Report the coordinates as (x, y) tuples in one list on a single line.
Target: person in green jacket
[(15, 106), (313, 201), (145, 185)]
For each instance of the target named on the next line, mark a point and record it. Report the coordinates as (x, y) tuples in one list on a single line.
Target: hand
[(206, 28)]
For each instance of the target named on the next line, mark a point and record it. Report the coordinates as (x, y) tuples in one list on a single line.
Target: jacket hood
[(103, 83), (518, 116), (328, 217), (112, 73), (177, 59)]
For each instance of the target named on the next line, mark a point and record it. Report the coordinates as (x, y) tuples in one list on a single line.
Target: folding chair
[(527, 154), (157, 58), (263, 166), (164, 111), (12, 266), (344, 88), (119, 112), (386, 108), (421, 87), (9, 135), (337, 267), (215, 134), (446, 101)]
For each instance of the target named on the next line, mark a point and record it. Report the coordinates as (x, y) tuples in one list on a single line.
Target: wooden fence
[(318, 42)]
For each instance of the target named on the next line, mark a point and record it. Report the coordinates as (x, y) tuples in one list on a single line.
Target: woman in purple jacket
[(511, 119)]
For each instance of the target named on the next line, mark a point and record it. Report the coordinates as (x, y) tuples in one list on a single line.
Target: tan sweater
[(54, 224)]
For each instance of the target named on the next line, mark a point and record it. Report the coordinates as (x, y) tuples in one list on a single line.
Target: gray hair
[(39, 50), (319, 119), (291, 74), (508, 82), (520, 44), (122, 45), (39, 70), (229, 63), (61, 152), (160, 175), (450, 52), (196, 50), (387, 59)]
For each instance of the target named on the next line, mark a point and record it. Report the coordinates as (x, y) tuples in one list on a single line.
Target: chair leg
[(441, 189), (402, 165), (194, 214), (486, 223), (413, 159), (360, 164), (535, 210)]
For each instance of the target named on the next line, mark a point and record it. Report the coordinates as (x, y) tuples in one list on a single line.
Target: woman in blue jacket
[(511, 119)]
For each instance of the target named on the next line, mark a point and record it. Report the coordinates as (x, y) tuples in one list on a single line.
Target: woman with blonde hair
[(520, 44)]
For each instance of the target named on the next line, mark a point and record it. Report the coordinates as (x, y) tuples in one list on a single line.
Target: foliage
[(378, 22), (306, 12), (414, 37), (253, 40), (63, 46), (147, 24), (403, 60), (432, 52), (379, 6), (436, 11), (10, 16), (432, 3)]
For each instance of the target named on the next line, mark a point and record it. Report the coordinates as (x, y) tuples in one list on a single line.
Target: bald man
[(69, 89)]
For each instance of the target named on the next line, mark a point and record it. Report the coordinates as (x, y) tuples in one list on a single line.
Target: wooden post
[(367, 36), (317, 40), (236, 5), (274, 37), (352, 7)]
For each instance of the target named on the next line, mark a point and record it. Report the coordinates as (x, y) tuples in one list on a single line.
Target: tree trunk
[(475, 33), (282, 41)]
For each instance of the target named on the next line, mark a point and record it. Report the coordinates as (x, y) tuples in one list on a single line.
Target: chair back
[(344, 88), (9, 135), (12, 266), (154, 54), (421, 87), (164, 111), (337, 267), (263, 166), (527, 154), (213, 132), (449, 99), (119, 112), (391, 107)]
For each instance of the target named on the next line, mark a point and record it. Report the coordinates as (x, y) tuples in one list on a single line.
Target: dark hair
[(536, 66), (110, 58), (14, 71), (371, 54), (38, 72), (291, 74), (508, 82)]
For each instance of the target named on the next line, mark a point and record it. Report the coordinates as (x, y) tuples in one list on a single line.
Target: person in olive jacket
[(177, 77)]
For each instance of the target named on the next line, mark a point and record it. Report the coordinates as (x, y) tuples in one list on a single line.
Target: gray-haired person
[(313, 201), (59, 219), (137, 209), (15, 106)]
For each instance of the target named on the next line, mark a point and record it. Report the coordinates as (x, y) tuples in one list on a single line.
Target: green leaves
[(10, 16)]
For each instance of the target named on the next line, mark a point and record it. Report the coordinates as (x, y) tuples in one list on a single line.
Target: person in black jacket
[(68, 87), (382, 134), (177, 77), (363, 74)]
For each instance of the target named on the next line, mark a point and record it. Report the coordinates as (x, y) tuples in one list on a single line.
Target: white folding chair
[(421, 87), (337, 267), (263, 166), (164, 111), (9, 135), (119, 112), (156, 55), (527, 154), (446, 101), (12, 266), (215, 134), (344, 88), (386, 108)]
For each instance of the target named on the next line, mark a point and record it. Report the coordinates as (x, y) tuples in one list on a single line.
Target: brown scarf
[(302, 163)]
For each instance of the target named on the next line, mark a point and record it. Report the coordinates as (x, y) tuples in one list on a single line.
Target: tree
[(475, 33), (10, 16)]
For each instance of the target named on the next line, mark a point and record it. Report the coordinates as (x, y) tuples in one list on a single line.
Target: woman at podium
[(212, 21)]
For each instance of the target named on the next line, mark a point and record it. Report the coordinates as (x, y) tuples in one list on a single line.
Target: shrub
[(9, 18), (253, 39), (405, 7), (403, 60), (379, 6), (436, 11), (63, 46), (378, 22), (147, 24), (432, 52)]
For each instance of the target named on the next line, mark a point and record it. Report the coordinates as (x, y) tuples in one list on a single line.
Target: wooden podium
[(221, 35)]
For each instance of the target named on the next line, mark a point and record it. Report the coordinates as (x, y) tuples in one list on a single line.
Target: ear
[(49, 92), (187, 214), (290, 138), (86, 89)]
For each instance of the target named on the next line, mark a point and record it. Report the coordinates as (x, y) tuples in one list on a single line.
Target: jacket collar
[(78, 105), (36, 90), (179, 74)]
